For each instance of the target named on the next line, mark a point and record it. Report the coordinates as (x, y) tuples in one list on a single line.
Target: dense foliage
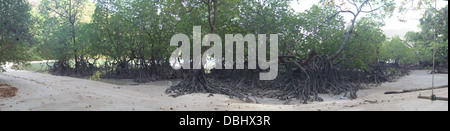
[(15, 19), (434, 31)]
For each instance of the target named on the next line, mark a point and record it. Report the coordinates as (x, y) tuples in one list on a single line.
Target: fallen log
[(413, 90), (430, 98)]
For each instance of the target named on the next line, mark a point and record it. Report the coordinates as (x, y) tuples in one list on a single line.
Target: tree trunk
[(347, 36)]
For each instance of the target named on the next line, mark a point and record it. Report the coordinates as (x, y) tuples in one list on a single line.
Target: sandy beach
[(38, 91)]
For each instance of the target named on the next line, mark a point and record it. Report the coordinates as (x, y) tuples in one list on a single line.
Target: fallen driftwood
[(430, 98), (413, 90)]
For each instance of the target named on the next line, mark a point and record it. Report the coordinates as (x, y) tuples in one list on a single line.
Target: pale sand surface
[(39, 91)]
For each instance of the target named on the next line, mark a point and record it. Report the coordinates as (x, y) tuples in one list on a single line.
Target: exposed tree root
[(318, 76), (315, 76), (64, 69), (302, 80), (198, 83), (141, 73)]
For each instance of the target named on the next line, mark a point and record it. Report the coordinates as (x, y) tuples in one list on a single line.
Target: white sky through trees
[(393, 26)]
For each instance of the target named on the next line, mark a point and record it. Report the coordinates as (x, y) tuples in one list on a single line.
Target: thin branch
[(409, 8), (362, 5), (60, 14), (350, 2), (370, 11), (353, 3), (342, 11), (190, 9), (338, 7)]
